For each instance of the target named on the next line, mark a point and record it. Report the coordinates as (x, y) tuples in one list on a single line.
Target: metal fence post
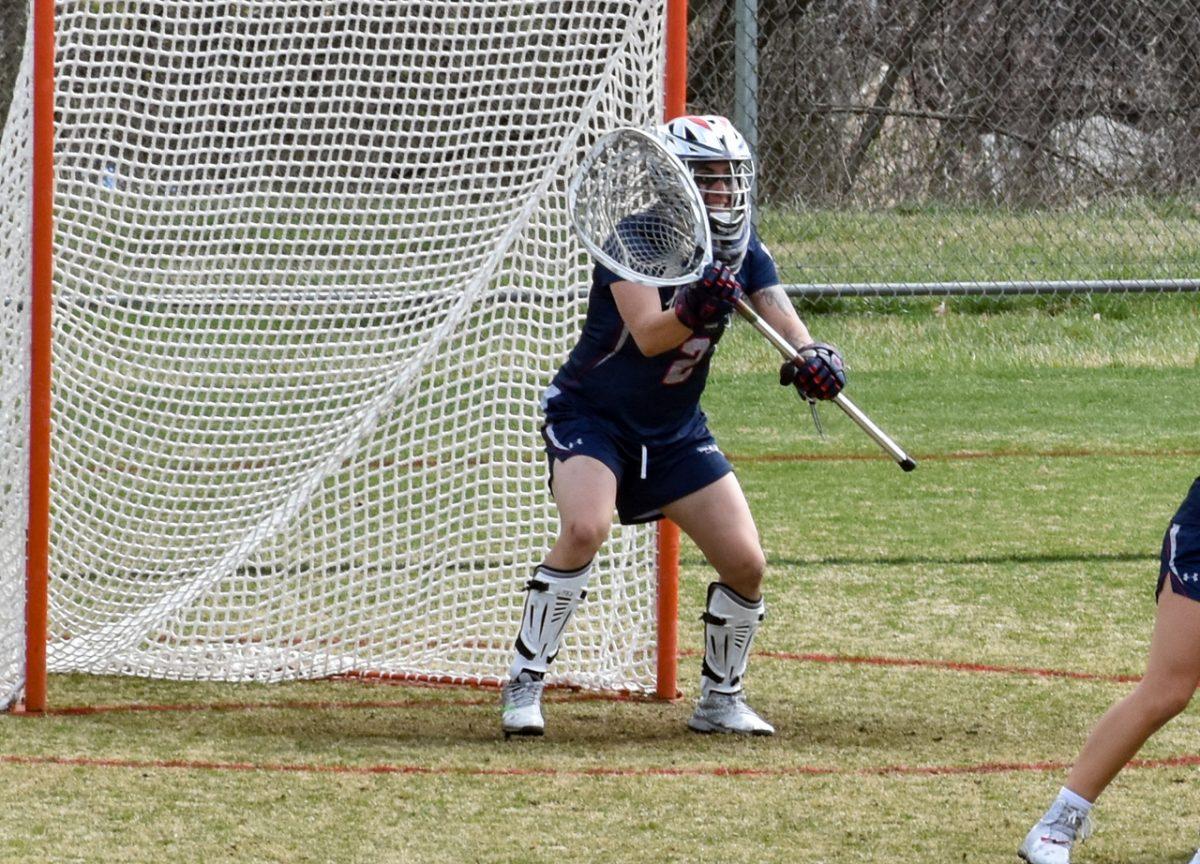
[(745, 73)]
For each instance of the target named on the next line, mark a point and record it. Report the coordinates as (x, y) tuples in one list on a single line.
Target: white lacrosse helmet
[(701, 143)]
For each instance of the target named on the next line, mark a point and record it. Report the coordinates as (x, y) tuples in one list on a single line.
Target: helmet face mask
[(723, 169)]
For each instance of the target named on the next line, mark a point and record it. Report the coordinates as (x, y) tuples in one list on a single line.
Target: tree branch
[(897, 66)]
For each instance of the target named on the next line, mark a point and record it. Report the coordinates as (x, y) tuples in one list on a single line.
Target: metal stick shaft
[(789, 352)]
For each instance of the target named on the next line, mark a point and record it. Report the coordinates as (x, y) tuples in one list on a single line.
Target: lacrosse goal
[(311, 269)]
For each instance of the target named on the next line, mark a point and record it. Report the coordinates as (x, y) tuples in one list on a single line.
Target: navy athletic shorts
[(648, 477), (1181, 549)]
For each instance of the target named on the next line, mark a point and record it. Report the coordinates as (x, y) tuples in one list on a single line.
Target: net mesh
[(638, 210), (15, 158), (313, 269)]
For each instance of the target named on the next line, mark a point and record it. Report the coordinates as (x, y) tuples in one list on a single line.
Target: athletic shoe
[(521, 707), (1196, 860), (728, 712), (1051, 839)]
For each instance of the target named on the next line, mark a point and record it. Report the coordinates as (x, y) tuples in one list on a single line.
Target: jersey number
[(693, 351)]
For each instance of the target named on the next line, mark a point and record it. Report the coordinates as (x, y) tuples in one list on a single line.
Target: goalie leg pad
[(550, 601), (730, 622)]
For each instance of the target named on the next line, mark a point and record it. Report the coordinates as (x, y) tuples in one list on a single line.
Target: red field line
[(570, 694), (286, 704), (952, 665), (1187, 760), (954, 455), (964, 455), (324, 704)]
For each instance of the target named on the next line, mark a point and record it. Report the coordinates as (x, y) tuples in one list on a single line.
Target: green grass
[(1054, 445), (1136, 240)]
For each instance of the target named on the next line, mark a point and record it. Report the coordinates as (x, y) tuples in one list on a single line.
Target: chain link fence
[(964, 146), (952, 146)]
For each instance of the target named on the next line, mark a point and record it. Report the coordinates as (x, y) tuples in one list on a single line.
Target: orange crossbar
[(667, 686), (675, 84), (674, 104), (37, 549)]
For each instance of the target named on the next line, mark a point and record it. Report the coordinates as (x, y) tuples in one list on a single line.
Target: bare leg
[(585, 492), (1172, 674), (718, 520)]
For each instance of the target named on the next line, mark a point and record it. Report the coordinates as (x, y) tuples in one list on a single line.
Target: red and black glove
[(818, 374), (710, 298)]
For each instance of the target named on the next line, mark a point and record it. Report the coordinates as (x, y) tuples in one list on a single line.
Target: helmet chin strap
[(730, 251), (732, 260)]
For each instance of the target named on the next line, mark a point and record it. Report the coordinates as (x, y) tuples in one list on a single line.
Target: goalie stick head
[(637, 209), (723, 168)]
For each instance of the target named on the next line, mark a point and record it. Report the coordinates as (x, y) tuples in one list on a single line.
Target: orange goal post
[(284, 283)]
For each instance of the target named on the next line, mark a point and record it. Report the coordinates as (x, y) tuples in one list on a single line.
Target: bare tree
[(1027, 101)]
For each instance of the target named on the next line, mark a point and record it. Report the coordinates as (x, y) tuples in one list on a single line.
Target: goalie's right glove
[(819, 374), (708, 299)]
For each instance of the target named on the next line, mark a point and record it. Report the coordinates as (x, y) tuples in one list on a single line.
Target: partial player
[(1172, 676), (624, 430)]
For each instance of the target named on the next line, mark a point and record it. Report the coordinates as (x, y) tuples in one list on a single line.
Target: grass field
[(1130, 240), (937, 646)]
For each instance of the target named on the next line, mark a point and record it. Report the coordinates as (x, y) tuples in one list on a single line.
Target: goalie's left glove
[(708, 299), (819, 373)]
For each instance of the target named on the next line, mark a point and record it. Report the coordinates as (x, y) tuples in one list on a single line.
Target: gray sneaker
[(1051, 839), (728, 712), (521, 707)]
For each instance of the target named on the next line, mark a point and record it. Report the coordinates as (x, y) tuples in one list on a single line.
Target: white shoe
[(521, 707), (1196, 860), (1051, 839), (728, 712)]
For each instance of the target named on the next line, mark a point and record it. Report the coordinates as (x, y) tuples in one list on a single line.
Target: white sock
[(1074, 800)]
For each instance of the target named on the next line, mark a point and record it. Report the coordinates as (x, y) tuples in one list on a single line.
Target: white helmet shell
[(702, 142)]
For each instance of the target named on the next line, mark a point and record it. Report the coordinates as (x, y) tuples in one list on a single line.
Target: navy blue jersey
[(650, 399), (1189, 510)]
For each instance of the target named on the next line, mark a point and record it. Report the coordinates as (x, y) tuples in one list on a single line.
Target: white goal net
[(312, 270)]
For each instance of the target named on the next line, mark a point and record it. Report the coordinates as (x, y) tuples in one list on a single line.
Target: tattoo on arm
[(774, 296), (790, 325)]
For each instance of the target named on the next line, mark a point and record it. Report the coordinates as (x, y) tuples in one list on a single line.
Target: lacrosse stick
[(789, 352), (636, 208)]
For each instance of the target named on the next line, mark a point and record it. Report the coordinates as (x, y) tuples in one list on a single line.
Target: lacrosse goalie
[(623, 430)]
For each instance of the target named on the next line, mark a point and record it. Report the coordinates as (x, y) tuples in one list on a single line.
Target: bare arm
[(654, 330), (776, 309)]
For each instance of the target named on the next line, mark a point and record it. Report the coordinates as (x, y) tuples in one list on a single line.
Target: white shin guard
[(730, 622), (551, 598)]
